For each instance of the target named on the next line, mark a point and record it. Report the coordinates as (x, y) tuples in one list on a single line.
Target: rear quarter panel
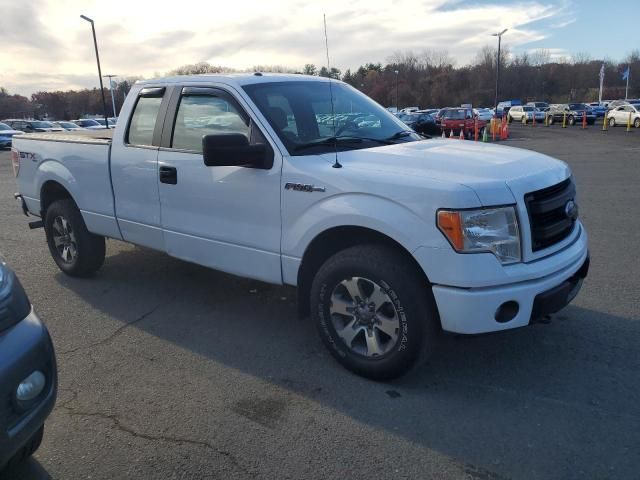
[(81, 168)]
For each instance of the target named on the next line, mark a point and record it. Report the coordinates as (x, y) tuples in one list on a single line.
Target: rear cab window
[(144, 117)]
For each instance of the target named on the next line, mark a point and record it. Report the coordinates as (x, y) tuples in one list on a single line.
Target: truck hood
[(499, 175)]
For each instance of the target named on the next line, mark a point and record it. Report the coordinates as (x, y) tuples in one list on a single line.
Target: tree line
[(429, 78)]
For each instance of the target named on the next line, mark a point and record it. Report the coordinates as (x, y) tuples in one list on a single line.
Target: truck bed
[(79, 136)]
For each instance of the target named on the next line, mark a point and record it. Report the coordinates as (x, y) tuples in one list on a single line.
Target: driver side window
[(200, 115)]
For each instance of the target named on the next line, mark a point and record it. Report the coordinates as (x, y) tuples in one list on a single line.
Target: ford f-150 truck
[(388, 237)]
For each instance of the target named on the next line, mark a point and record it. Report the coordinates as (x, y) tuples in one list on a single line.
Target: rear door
[(134, 169), (224, 217)]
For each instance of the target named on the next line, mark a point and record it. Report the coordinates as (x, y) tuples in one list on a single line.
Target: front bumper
[(24, 348), (478, 310)]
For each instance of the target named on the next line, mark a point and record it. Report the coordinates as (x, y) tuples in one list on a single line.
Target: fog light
[(507, 311), (31, 387)]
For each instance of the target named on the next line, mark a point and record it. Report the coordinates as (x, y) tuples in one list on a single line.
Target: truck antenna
[(333, 115)]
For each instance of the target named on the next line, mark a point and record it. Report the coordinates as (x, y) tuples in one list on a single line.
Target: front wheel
[(76, 251), (636, 122), (374, 312), (612, 122), (550, 120), (571, 120)]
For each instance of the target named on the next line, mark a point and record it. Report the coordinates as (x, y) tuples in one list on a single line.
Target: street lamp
[(95, 44), (396, 72), (113, 100), (499, 35)]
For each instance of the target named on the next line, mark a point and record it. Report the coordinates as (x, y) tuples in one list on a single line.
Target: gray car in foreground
[(28, 374)]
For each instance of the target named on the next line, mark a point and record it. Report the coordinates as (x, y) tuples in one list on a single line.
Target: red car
[(457, 119)]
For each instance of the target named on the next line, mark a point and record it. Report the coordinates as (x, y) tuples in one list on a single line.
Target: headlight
[(492, 230)]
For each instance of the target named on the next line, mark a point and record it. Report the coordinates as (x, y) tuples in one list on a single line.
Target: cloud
[(136, 40)]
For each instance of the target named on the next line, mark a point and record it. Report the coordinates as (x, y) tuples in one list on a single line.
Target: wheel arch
[(333, 240), (51, 191)]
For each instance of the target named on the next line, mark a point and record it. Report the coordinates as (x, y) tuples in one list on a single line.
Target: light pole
[(396, 72), (113, 100), (499, 35), (95, 44)]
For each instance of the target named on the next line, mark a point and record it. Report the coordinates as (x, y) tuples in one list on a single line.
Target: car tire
[(76, 251), (26, 451), (612, 122), (571, 120), (550, 121), (405, 323), (636, 123)]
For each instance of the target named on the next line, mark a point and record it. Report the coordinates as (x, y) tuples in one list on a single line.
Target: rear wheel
[(550, 120), (373, 310), (612, 122), (76, 251), (571, 120), (636, 122)]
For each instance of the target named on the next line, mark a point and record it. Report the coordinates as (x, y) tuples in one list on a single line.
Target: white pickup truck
[(304, 181)]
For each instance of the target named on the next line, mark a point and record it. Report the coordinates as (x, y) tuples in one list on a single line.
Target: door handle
[(168, 175)]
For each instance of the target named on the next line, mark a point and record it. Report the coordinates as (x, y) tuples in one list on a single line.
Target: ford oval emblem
[(571, 210)]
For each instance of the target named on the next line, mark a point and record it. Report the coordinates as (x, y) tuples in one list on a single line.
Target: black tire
[(27, 450), (571, 120), (550, 120), (407, 294), (612, 122), (89, 248), (636, 123)]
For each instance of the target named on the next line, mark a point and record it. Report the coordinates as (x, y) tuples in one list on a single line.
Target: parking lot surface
[(172, 371)]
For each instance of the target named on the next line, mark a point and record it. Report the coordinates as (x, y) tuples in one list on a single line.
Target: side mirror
[(233, 149)]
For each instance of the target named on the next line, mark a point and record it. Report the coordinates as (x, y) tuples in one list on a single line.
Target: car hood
[(10, 132), (498, 174)]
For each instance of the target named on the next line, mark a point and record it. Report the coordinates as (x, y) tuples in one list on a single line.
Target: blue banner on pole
[(626, 73)]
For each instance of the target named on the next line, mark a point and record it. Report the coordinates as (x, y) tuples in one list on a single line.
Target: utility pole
[(95, 44), (396, 72), (113, 100), (499, 35)]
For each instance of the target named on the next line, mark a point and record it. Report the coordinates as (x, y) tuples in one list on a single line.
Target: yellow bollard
[(605, 125), (564, 119), (629, 123), (546, 119)]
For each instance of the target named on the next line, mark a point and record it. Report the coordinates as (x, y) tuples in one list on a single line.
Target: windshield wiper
[(340, 139), (400, 134)]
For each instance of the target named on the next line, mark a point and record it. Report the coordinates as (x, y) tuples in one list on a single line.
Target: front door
[(224, 217)]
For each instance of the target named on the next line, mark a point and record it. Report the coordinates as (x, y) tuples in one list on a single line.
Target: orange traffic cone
[(443, 134), (584, 120), (451, 133), (461, 136)]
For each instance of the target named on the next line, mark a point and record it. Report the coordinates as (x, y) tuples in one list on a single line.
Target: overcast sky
[(44, 45)]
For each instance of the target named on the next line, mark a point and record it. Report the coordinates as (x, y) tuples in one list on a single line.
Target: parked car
[(540, 106), (409, 109), (503, 107), (422, 123), (460, 119), (573, 112), (485, 114), (6, 135), (30, 126), (28, 375), (102, 122), (623, 114), (89, 124), (616, 103), (388, 237), (525, 114), (599, 109), (67, 125)]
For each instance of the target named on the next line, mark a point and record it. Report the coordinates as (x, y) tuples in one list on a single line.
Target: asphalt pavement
[(172, 371)]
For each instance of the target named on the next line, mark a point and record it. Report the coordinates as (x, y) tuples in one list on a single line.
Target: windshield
[(4, 126), (67, 125), (88, 123), (577, 106), (302, 116), (527, 109), (454, 114)]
